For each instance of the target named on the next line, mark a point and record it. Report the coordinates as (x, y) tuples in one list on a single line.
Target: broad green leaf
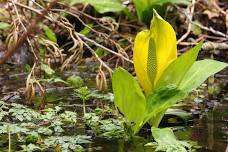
[(153, 51), (161, 97), (48, 70), (141, 6), (144, 7), (128, 98), (4, 25), (167, 141), (163, 2), (103, 6), (159, 101), (179, 113), (199, 72), (175, 72), (50, 34), (155, 118)]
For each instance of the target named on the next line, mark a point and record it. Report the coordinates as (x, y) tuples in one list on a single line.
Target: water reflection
[(211, 131)]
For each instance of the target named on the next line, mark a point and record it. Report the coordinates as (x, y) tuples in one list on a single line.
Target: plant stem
[(84, 110), (9, 136)]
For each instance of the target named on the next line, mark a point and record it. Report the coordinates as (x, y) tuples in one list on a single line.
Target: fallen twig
[(215, 46), (210, 29), (103, 47), (190, 16)]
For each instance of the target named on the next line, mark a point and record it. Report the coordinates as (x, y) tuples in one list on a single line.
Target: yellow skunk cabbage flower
[(153, 51)]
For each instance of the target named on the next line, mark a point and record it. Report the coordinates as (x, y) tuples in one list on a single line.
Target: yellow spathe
[(140, 57), (153, 51)]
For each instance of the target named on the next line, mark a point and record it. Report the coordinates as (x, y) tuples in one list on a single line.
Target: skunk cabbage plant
[(164, 79)]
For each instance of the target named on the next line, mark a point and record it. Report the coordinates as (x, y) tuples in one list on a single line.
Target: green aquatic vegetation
[(56, 124), (3, 110), (165, 140), (14, 128), (32, 137), (23, 113), (57, 113), (75, 81), (56, 117), (107, 128), (103, 96), (18, 112), (66, 143), (84, 94), (62, 143), (104, 112), (44, 131), (68, 117), (51, 112), (3, 114), (30, 148), (164, 78)]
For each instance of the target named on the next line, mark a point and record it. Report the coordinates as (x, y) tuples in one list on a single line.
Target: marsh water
[(209, 129)]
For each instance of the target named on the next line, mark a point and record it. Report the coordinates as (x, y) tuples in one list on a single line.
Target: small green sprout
[(84, 94)]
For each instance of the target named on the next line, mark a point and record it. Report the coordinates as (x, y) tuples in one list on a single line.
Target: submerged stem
[(9, 136), (84, 110)]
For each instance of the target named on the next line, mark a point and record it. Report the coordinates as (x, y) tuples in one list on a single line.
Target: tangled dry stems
[(25, 29)]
